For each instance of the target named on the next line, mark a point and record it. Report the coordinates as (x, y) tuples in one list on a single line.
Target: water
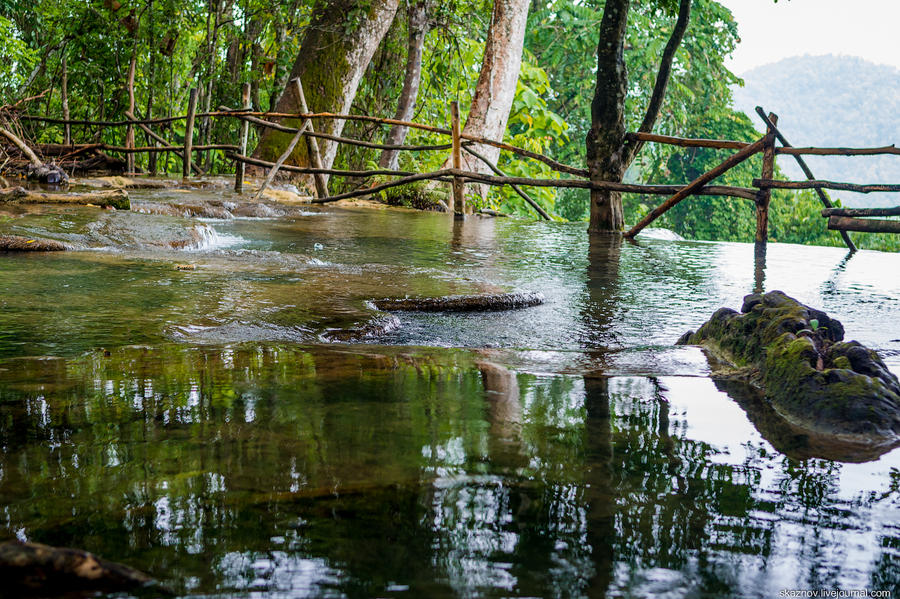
[(192, 423)]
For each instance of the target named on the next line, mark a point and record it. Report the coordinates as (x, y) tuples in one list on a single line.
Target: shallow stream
[(169, 400)]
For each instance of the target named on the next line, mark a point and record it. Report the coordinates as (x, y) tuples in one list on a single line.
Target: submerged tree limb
[(115, 198)]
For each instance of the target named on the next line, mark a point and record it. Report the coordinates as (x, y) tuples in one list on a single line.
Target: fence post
[(765, 194), (245, 132), (311, 143), (458, 198), (189, 134)]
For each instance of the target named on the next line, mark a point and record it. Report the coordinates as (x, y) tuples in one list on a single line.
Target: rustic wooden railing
[(842, 220)]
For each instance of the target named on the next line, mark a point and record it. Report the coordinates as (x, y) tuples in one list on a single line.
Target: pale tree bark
[(418, 26), (333, 56), (609, 154), (496, 85)]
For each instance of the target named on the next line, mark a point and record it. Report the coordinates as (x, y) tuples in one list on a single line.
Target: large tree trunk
[(418, 24), (608, 152), (496, 86), (330, 65), (606, 155)]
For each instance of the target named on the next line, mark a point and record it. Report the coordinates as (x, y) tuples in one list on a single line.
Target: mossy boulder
[(797, 355)]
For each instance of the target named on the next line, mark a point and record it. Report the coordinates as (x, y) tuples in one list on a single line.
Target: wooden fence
[(839, 219)]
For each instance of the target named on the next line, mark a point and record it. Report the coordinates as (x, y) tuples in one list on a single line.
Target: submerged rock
[(47, 173), (33, 568), (17, 243), (797, 355), (377, 327), (464, 303)]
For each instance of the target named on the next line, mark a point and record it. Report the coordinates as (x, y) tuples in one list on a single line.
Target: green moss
[(842, 362), (836, 400)]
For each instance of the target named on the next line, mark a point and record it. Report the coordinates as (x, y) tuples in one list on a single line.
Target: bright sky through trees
[(771, 31)]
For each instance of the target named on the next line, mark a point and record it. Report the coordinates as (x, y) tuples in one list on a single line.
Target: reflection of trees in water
[(316, 469)]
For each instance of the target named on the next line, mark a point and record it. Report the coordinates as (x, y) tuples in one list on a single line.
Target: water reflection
[(391, 471)]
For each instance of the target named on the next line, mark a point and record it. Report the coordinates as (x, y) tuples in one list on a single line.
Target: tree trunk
[(496, 86), (606, 156), (608, 152), (418, 25), (330, 65)]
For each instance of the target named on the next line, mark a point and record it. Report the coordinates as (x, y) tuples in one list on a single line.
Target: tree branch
[(662, 77)]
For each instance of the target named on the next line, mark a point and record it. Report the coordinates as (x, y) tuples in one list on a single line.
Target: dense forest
[(410, 60)]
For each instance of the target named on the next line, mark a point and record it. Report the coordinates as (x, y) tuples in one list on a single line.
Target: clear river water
[(170, 399)]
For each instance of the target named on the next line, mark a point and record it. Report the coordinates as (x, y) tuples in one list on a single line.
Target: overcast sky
[(771, 31)]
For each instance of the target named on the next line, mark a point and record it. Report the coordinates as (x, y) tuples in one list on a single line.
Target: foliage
[(217, 45)]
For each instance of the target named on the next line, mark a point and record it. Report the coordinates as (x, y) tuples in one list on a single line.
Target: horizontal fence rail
[(759, 192)]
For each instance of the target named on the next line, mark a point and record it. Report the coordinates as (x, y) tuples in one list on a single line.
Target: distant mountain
[(832, 101)]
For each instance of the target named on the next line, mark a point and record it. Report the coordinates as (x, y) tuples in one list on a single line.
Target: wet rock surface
[(18, 243), (31, 569), (47, 173), (797, 355)]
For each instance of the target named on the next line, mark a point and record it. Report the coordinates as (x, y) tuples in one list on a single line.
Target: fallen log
[(35, 568), (864, 225), (17, 243), (28, 152), (463, 303), (115, 198), (36, 170)]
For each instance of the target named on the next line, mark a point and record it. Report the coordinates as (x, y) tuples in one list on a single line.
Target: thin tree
[(418, 27)]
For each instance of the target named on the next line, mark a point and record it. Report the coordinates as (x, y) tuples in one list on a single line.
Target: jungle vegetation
[(359, 55)]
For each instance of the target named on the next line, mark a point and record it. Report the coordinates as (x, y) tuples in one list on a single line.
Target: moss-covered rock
[(796, 354)]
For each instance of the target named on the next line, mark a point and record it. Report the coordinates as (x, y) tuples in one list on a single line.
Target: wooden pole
[(764, 195), (67, 132), (822, 195), (895, 211), (686, 142), (891, 149), (447, 174), (458, 197), (245, 132), (820, 184), (866, 225), (287, 152), (732, 161), (189, 134), (311, 144), (516, 188), (129, 132)]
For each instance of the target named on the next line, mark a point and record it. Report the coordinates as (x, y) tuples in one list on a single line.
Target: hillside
[(832, 101)]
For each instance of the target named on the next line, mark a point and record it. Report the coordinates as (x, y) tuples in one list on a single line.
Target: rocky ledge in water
[(35, 569), (797, 356)]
